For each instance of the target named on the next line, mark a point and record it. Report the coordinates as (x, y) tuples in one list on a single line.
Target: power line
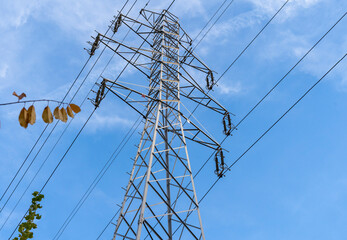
[(256, 36), (267, 94), (139, 117), (219, 78), (261, 100), (70, 101), (98, 177), (55, 169), (258, 139), (272, 88), (103, 230), (96, 180), (254, 143), (209, 20), (90, 189), (241, 53), (50, 131), (213, 24), (32, 180), (20, 168), (82, 129), (56, 122)]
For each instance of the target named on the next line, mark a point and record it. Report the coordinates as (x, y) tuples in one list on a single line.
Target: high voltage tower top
[(160, 200)]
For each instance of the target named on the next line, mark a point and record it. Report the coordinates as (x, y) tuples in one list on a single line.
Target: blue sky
[(291, 185)]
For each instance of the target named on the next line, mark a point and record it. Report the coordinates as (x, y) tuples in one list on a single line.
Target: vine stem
[(33, 101)]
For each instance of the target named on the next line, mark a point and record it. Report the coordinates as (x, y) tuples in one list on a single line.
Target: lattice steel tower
[(160, 200)]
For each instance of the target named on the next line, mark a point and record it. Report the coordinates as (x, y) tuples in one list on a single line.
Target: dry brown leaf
[(31, 115), (23, 118), (47, 115), (69, 111), (57, 113), (75, 108), (63, 114)]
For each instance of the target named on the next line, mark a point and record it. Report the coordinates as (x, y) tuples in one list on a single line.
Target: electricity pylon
[(160, 200)]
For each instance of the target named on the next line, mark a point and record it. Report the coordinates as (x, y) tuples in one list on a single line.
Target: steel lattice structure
[(160, 200)]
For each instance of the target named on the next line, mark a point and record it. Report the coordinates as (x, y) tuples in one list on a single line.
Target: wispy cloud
[(182, 7), (268, 7), (3, 71), (110, 121), (260, 12), (105, 119), (284, 43), (230, 88), (16, 13)]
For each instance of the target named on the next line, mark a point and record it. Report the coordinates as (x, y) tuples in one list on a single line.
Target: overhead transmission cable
[(326, 33), (102, 171), (241, 53), (55, 169), (279, 119), (21, 166), (94, 183), (214, 23), (109, 163), (100, 175), (250, 43), (51, 129), (209, 20), (247, 46), (57, 122), (275, 85), (80, 87), (194, 48), (78, 135), (261, 136)]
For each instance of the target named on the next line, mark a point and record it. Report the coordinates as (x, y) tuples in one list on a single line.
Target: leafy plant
[(25, 228)]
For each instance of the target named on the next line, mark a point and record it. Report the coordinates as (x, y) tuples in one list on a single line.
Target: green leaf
[(25, 228)]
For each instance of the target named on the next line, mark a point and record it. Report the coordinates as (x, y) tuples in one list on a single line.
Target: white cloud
[(103, 119), (3, 71), (323, 59), (192, 7), (15, 13), (234, 24), (260, 12), (284, 43), (100, 121), (181, 7), (231, 88), (75, 17), (269, 7)]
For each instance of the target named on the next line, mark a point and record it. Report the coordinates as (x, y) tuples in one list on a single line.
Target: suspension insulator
[(117, 24), (209, 80), (225, 130), (103, 86), (220, 165), (97, 102), (227, 124), (95, 45), (229, 121), (222, 159), (100, 94), (217, 165)]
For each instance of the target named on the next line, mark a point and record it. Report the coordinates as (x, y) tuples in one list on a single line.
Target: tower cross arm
[(196, 132)]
